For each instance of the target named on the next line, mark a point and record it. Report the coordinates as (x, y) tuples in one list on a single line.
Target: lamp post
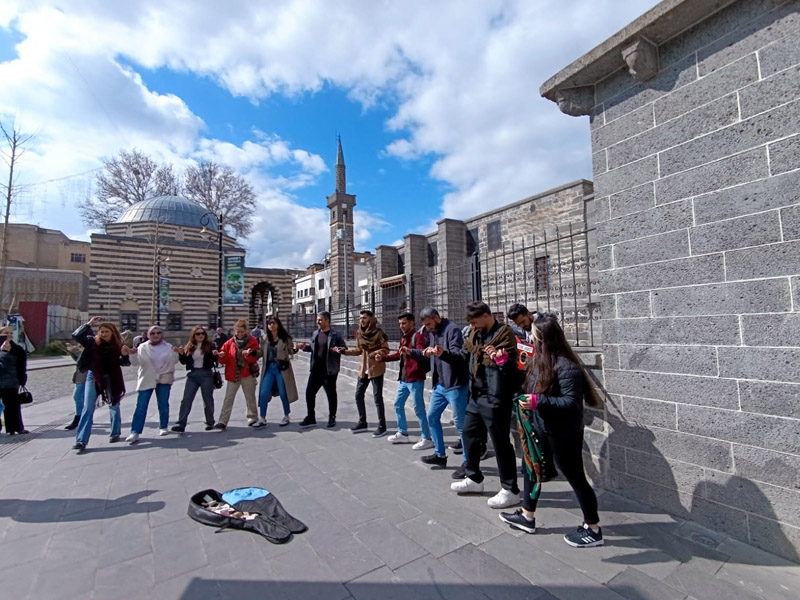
[(205, 220), (161, 255)]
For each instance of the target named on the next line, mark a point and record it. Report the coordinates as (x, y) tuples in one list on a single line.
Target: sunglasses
[(200, 333)]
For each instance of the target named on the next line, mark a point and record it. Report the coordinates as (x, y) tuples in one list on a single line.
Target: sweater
[(148, 377)]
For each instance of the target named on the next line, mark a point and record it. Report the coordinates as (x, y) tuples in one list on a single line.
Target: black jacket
[(209, 361), (85, 337), (335, 339), (449, 369), (561, 409), (22, 362)]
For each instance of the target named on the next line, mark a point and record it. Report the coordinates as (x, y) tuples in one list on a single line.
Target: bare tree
[(127, 178), (220, 190), (15, 142)]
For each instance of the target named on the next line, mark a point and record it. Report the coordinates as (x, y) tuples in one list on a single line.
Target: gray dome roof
[(168, 209)]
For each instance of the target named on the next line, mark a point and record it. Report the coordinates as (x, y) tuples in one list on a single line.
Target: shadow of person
[(52, 510)]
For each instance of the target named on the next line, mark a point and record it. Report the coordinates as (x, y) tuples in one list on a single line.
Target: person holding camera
[(277, 347), (13, 374), (239, 356)]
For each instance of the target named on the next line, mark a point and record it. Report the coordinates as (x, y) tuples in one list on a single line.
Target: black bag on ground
[(266, 517)]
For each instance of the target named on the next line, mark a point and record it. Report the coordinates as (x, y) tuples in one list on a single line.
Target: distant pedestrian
[(13, 374), (411, 382), (79, 383), (156, 360), (240, 356), (140, 339), (220, 338), (102, 358), (371, 340), (558, 387), (257, 332), (278, 348), (324, 369), (200, 357)]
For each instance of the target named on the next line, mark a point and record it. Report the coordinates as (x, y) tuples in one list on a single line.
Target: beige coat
[(283, 351), (369, 368)]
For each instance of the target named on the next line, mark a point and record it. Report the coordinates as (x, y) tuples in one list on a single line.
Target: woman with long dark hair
[(102, 358), (13, 374), (558, 387), (277, 346), (200, 357)]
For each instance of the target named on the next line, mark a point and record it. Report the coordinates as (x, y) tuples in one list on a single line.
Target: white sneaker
[(466, 486), (285, 421), (422, 445), (503, 499), (163, 432), (399, 438), (132, 438)]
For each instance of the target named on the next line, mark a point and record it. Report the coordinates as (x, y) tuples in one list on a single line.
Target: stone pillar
[(416, 248), (453, 261)]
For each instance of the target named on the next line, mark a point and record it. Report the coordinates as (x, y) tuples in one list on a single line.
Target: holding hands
[(498, 356), (436, 350), (125, 351)]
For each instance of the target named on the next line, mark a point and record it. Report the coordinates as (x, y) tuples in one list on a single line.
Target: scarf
[(107, 373), (161, 355), (241, 346), (503, 339), (532, 454), (370, 338)]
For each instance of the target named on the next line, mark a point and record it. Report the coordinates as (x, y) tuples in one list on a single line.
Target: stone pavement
[(112, 523)]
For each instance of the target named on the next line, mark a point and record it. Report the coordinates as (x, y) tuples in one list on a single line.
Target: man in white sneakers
[(411, 382)]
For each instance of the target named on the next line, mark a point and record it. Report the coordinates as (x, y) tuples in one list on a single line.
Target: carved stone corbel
[(641, 56), (577, 101)]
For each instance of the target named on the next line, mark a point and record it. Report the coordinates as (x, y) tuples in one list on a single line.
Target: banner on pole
[(163, 295), (233, 280)]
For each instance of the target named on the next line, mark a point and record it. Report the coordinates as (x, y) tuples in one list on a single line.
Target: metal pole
[(574, 287), (219, 282), (346, 278)]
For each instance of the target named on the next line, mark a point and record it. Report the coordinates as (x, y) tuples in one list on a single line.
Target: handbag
[(253, 367), (24, 396), (283, 365), (217, 379)]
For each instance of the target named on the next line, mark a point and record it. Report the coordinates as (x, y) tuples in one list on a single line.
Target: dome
[(169, 209)]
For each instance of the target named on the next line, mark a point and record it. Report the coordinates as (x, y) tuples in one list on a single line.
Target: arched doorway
[(264, 301)]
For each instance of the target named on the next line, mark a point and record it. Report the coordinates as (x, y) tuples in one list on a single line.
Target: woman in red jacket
[(239, 356)]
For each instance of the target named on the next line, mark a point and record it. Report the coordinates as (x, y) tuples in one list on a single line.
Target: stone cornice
[(634, 47)]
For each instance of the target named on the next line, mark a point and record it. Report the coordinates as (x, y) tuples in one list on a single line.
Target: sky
[(436, 103)]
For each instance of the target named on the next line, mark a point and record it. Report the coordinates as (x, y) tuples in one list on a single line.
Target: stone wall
[(697, 183)]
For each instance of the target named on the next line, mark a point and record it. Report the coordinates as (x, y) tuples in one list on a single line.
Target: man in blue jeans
[(448, 380), (411, 382)]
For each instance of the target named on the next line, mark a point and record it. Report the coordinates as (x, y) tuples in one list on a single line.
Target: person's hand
[(253, 352), (527, 401), (125, 351), (6, 346), (221, 355), (337, 349), (177, 349), (94, 321), (215, 352), (405, 351), (378, 356)]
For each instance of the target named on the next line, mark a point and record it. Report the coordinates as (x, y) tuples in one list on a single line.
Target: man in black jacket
[(324, 369), (491, 353)]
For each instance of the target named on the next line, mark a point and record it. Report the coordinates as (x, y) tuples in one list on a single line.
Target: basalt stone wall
[(697, 184)]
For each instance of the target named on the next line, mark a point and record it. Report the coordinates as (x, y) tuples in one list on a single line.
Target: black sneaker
[(518, 520), (380, 432), (360, 426), (112, 439), (331, 422), (209, 426), (178, 428), (435, 461), (460, 472), (308, 422), (457, 448), (79, 446), (221, 426), (584, 537)]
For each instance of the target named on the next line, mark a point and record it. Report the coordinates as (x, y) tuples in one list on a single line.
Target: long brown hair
[(550, 343), (116, 338), (205, 347)]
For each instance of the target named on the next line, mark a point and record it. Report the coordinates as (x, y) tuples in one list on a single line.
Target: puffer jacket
[(561, 408)]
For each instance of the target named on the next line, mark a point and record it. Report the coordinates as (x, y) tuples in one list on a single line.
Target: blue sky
[(437, 104)]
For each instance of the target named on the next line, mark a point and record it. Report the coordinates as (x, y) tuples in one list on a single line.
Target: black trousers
[(568, 452), (377, 393), (12, 414), (484, 416), (319, 378)]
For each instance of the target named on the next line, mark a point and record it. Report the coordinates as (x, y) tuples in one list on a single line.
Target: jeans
[(413, 389), (78, 395), (87, 416), (202, 379), (457, 399), (143, 401), (377, 393), (272, 375)]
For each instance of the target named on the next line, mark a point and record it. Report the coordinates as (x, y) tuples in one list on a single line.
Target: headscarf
[(370, 338), (160, 352)]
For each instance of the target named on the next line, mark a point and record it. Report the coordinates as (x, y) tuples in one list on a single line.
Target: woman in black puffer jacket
[(558, 388)]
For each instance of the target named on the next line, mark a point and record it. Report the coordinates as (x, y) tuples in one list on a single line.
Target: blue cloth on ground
[(240, 494)]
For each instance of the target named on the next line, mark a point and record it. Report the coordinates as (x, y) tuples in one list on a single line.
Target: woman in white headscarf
[(156, 360)]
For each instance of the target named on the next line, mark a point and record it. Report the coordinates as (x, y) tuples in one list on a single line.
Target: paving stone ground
[(112, 523)]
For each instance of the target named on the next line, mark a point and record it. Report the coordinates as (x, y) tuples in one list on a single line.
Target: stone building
[(164, 237), (44, 265), (695, 120)]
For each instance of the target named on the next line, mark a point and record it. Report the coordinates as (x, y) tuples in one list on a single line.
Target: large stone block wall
[(697, 183)]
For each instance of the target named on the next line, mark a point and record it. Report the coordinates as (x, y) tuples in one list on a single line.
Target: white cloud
[(464, 75)]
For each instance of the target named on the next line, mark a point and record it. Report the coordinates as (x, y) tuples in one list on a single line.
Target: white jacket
[(148, 377)]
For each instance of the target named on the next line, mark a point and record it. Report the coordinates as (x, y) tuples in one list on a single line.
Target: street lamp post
[(205, 220), (160, 256)]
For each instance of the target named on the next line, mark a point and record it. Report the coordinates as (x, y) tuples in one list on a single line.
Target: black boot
[(74, 425)]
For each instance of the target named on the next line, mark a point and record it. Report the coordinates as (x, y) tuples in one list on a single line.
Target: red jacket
[(229, 348), (415, 371)]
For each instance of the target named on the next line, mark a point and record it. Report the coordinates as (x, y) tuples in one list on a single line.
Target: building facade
[(695, 123)]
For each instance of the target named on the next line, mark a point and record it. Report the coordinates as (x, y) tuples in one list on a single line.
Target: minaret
[(341, 205)]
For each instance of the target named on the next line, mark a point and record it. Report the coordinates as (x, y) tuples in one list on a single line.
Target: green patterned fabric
[(531, 451)]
